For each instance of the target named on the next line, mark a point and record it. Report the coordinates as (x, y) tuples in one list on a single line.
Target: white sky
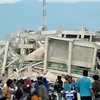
[(56, 1), (8, 1), (69, 1)]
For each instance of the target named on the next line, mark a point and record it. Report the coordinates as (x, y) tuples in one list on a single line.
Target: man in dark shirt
[(96, 87), (60, 82)]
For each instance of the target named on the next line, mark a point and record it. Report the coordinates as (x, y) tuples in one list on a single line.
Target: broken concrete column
[(5, 57), (30, 71), (70, 57), (46, 56), (91, 38), (10, 71)]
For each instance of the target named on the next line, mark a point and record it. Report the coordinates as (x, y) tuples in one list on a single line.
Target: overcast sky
[(72, 14)]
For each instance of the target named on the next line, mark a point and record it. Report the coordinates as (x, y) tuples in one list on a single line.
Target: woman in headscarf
[(42, 91)]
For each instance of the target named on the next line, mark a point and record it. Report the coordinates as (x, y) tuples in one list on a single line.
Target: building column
[(78, 36), (5, 57), (94, 58), (64, 35), (46, 55), (82, 36), (29, 71), (10, 71), (91, 38), (22, 48), (70, 57)]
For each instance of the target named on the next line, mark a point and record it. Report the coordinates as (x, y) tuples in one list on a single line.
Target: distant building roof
[(97, 33)]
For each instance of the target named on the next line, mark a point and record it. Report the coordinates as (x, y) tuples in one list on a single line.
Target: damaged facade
[(57, 51)]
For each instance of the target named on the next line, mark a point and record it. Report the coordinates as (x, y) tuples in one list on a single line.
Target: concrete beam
[(41, 45), (29, 46), (98, 61), (84, 43), (5, 57), (2, 43), (12, 62), (25, 68), (2, 50), (46, 55), (34, 55)]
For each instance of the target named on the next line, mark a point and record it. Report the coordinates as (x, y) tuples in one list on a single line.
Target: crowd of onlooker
[(27, 89)]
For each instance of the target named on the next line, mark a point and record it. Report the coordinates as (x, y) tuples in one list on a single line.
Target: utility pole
[(44, 16)]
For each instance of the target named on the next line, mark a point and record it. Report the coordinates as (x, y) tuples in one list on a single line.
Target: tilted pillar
[(5, 57)]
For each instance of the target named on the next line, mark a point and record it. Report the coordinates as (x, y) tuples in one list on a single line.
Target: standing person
[(46, 83), (1, 87), (96, 87), (85, 87), (36, 84), (66, 80), (1, 90), (28, 81), (59, 87), (42, 91), (60, 81), (15, 84), (7, 91), (32, 88), (19, 92), (28, 86)]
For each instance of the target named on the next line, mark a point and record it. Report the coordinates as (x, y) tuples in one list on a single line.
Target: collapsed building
[(56, 51)]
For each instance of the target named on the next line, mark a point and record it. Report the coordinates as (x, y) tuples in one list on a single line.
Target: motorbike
[(69, 95), (52, 94)]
